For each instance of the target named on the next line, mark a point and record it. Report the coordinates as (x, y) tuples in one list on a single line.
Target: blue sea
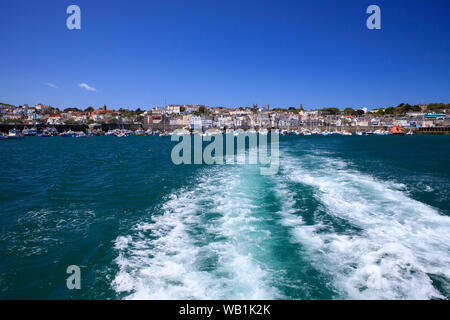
[(360, 217)]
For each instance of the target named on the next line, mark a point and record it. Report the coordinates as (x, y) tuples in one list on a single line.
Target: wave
[(393, 247), (356, 237), (201, 246)]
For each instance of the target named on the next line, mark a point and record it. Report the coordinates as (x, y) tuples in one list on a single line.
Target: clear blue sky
[(225, 53)]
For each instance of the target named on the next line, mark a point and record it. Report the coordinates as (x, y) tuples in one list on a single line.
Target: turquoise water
[(344, 218)]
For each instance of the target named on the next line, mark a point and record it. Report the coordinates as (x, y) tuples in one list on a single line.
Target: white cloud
[(51, 85), (86, 87)]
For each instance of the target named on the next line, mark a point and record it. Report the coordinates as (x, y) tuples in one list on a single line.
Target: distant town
[(204, 117)]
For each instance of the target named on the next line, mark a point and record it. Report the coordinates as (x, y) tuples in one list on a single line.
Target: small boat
[(181, 132), (359, 133), (52, 131), (410, 133), (139, 132), (381, 132), (122, 134), (263, 132), (346, 133), (45, 134), (110, 133), (214, 132), (29, 132), (397, 131), (80, 134), (15, 134), (69, 134), (2, 136)]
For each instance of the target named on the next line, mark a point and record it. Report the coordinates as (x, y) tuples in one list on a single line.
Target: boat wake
[(201, 246), (347, 234), (391, 246)]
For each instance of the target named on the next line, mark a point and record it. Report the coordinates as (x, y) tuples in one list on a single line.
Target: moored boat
[(214, 132), (15, 134), (180, 132), (140, 132), (29, 132), (110, 133), (69, 134), (80, 134), (45, 134), (263, 132), (397, 131)]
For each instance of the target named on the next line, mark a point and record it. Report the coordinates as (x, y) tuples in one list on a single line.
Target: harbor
[(81, 131), (69, 133), (432, 118)]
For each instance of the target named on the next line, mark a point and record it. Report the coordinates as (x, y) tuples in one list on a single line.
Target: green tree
[(437, 107), (389, 110), (330, 111), (71, 109), (349, 112)]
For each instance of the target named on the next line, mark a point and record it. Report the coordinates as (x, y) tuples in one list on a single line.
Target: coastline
[(444, 130)]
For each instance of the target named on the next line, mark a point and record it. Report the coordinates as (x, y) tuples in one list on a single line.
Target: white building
[(196, 122)]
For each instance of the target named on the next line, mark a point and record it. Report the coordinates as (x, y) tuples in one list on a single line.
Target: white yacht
[(181, 132), (263, 132), (29, 132), (139, 132), (15, 134)]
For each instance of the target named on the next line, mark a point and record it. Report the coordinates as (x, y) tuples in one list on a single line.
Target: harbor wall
[(160, 126), (67, 127)]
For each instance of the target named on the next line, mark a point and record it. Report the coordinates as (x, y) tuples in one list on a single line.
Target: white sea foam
[(201, 247), (399, 242), (205, 243)]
